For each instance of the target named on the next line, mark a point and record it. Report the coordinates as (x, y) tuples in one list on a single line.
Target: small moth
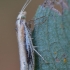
[(26, 48), (26, 51)]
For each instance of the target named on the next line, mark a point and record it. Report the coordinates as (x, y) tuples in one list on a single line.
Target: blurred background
[(9, 9)]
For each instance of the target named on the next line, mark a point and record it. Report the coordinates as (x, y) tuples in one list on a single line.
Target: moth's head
[(20, 20), (22, 15)]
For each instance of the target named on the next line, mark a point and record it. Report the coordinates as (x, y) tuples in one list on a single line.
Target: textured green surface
[(52, 38)]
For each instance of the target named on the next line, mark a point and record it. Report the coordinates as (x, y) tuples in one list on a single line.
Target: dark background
[(9, 9)]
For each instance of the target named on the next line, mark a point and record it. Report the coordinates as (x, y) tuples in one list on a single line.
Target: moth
[(26, 48), (26, 52)]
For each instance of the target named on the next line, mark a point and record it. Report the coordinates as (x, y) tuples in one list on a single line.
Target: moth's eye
[(23, 17)]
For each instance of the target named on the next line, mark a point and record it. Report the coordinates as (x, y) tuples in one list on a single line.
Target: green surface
[(52, 38)]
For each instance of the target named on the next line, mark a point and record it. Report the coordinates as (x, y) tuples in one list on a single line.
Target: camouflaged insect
[(26, 52)]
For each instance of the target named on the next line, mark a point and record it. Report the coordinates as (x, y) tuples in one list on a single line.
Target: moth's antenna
[(25, 5)]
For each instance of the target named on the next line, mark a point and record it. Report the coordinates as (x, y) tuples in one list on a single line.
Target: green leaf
[(51, 35)]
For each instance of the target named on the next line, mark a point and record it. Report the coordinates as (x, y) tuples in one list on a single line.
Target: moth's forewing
[(25, 45)]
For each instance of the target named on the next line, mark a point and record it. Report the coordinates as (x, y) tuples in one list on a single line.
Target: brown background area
[(9, 9)]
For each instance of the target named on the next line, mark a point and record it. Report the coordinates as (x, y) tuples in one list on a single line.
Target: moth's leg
[(33, 20), (41, 56)]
